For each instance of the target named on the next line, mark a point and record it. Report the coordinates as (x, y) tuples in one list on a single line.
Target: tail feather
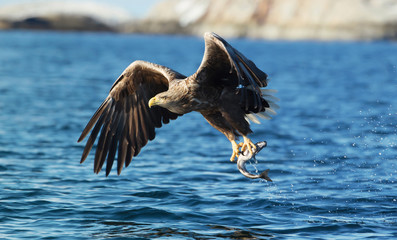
[(264, 115), (273, 105), (268, 91), (253, 118), (271, 111), (269, 106)]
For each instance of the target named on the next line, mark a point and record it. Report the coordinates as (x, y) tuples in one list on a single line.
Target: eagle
[(227, 89)]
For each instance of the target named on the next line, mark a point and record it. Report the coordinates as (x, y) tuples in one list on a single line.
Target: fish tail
[(265, 176)]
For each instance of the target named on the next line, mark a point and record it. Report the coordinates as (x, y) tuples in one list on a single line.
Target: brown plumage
[(226, 90)]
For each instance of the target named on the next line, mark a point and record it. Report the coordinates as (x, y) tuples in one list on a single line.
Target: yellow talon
[(248, 145)]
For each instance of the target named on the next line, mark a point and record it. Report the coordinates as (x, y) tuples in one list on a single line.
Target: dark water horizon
[(331, 149)]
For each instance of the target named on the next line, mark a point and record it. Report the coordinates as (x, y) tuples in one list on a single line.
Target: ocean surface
[(332, 148)]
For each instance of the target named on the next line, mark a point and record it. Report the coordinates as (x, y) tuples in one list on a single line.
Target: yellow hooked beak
[(153, 102)]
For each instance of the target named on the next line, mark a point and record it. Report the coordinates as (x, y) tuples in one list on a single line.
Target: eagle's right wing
[(223, 65), (124, 119)]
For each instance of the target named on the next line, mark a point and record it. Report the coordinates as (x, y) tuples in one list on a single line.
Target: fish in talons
[(247, 155)]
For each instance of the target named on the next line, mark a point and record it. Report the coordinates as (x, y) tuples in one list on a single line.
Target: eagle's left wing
[(124, 120)]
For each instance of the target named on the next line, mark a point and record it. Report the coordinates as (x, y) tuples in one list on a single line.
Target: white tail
[(271, 110)]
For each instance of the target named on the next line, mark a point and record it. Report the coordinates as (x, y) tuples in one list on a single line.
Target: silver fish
[(245, 156)]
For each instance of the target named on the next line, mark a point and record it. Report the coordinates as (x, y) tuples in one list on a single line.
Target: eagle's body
[(226, 90)]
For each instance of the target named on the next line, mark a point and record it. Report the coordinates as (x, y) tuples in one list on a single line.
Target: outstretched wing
[(225, 66), (124, 119)]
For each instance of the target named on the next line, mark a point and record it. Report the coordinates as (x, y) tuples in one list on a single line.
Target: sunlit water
[(331, 151)]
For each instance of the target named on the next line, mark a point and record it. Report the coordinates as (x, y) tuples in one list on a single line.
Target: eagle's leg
[(217, 120), (248, 145), (236, 150)]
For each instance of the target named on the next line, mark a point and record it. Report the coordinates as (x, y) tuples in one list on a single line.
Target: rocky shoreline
[(58, 22), (264, 19)]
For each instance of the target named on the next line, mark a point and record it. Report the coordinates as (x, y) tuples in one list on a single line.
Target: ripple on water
[(331, 148)]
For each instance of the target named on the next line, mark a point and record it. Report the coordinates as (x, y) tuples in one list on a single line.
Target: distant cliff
[(274, 19), (58, 22), (266, 19), (62, 15)]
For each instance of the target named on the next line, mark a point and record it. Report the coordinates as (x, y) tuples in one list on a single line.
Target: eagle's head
[(168, 100), (176, 99), (161, 99)]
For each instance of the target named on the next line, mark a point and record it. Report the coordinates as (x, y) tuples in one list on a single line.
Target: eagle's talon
[(248, 145), (234, 156)]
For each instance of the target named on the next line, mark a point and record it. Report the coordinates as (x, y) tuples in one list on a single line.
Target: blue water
[(332, 149)]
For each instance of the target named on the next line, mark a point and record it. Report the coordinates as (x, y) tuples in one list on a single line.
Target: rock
[(62, 23), (4, 24), (62, 15), (269, 19)]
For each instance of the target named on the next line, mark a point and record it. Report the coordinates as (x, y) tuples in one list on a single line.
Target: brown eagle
[(226, 90)]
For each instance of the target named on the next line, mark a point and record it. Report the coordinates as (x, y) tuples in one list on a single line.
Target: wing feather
[(123, 143), (100, 153), (94, 133), (115, 139), (225, 66), (124, 121), (94, 119)]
